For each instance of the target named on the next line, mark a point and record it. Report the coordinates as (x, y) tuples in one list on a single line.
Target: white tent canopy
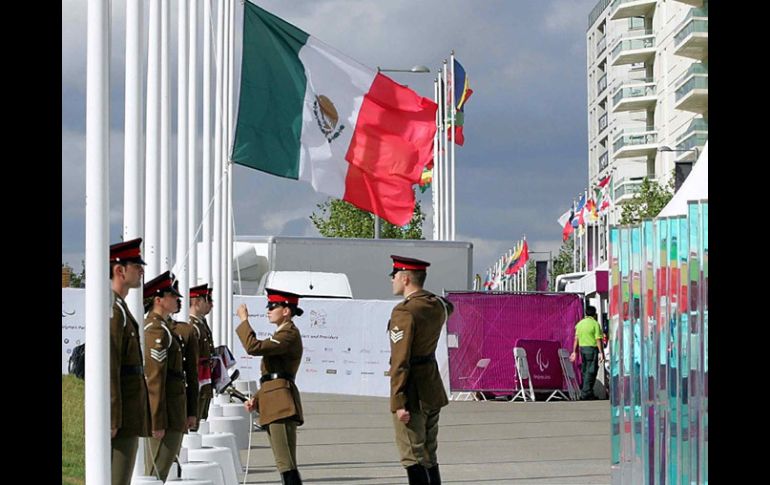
[(695, 187)]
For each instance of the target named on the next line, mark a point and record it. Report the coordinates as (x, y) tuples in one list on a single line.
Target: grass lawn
[(73, 470)]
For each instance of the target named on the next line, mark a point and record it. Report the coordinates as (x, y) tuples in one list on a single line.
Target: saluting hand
[(243, 312), (250, 405), (403, 415)]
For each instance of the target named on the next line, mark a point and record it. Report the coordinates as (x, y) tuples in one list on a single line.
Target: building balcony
[(635, 143), (694, 3), (601, 45), (625, 189), (604, 160), (693, 93), (633, 48), (602, 123), (623, 9), (601, 85), (692, 35), (695, 136), (634, 95)]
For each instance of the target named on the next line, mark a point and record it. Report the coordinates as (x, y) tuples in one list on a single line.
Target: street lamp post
[(414, 69), (679, 167)]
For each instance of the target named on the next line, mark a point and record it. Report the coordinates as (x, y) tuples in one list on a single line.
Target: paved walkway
[(349, 440)]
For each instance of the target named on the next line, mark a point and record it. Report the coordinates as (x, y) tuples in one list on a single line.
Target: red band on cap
[(125, 254), (409, 266), (283, 299)]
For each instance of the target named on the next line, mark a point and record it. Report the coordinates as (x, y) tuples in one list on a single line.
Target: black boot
[(417, 475), (291, 477), (433, 475)]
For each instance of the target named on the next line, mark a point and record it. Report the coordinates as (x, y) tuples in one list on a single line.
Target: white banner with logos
[(346, 346)]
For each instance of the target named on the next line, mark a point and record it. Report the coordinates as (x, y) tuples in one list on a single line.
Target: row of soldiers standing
[(164, 394)]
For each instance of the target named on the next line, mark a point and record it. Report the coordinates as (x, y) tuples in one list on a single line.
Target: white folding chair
[(481, 364), (569, 374), (522, 372)]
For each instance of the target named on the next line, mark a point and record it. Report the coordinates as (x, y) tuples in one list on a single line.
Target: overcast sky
[(525, 149)]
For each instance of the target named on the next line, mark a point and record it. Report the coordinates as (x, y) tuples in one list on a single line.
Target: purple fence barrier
[(487, 325)]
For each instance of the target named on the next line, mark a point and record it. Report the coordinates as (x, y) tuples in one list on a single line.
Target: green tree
[(337, 218), (562, 263), (648, 202), (77, 280)]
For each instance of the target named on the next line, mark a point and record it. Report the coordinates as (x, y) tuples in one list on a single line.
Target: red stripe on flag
[(390, 198), (392, 143)]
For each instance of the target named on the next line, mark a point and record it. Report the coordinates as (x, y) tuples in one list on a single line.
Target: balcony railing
[(633, 137), (633, 89), (601, 85)]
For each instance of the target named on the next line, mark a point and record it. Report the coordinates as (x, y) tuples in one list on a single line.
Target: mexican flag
[(308, 112)]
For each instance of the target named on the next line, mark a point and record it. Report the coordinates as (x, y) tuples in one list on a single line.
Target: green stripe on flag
[(273, 82)]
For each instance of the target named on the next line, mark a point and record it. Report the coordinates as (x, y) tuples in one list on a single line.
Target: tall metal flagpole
[(133, 191), (230, 123), (205, 266), (165, 139), (216, 258), (453, 103), (181, 262), (193, 211), (97, 391), (151, 252), (434, 185), (444, 155)]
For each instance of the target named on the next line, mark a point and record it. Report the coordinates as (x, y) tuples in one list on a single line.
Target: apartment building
[(647, 68)]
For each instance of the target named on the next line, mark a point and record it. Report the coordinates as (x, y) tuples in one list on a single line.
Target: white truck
[(365, 262)]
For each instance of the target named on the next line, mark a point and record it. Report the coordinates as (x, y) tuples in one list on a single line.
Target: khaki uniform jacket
[(205, 348), (189, 340), (279, 398), (129, 407), (414, 329), (163, 366)]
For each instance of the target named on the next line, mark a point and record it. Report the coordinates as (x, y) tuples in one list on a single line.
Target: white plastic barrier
[(200, 470), (219, 455), (226, 440), (238, 425)]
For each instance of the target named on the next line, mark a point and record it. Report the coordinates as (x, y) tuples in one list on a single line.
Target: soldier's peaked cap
[(200, 291), (127, 252), (401, 263), (161, 284), (280, 296)]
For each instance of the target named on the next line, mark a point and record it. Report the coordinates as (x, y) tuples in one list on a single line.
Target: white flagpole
[(193, 212), (217, 258), (436, 181), (97, 390), (230, 97), (574, 240), (445, 157), (205, 270), (442, 144), (165, 139), (453, 102), (133, 190), (151, 252), (182, 236), (585, 243)]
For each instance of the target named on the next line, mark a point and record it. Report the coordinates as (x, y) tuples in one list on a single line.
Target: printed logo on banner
[(542, 362), (307, 359), (348, 372), (331, 371), (346, 351), (317, 319), (373, 362), (329, 349), (366, 351), (345, 361), (366, 373), (311, 370), (327, 361)]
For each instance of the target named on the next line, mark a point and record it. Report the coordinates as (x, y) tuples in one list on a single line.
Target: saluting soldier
[(416, 391), (201, 303), (164, 368), (129, 407), (278, 401), (187, 335)]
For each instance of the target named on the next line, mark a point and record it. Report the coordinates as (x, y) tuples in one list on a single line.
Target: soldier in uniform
[(164, 368), (201, 304), (188, 338), (416, 391), (129, 407), (278, 401)]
